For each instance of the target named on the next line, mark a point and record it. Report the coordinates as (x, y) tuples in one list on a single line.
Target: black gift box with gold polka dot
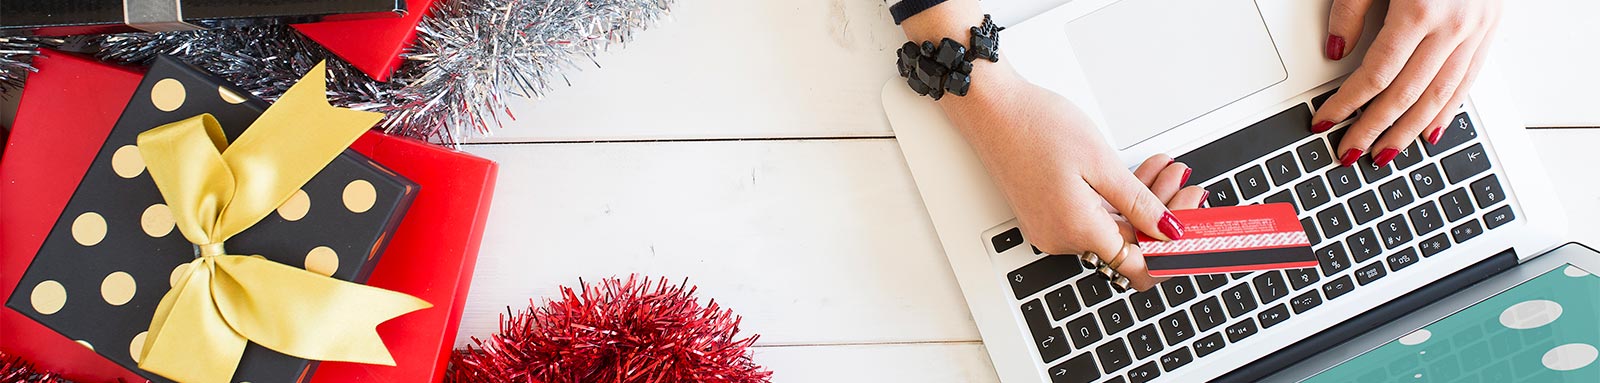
[(115, 251)]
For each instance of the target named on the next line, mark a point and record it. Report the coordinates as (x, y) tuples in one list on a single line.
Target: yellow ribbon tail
[(171, 348)]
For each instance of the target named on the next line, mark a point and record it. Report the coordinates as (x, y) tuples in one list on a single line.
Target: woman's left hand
[(1416, 72)]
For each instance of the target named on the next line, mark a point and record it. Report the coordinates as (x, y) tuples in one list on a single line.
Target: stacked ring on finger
[(1090, 259), (1109, 270)]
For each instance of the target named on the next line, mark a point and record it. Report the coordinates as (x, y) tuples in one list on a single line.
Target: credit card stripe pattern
[(1287, 256), (1214, 244)]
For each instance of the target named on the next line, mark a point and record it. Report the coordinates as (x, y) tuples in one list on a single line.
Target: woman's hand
[(1415, 74)]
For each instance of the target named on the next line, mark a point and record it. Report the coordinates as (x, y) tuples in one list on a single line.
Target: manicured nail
[(1186, 173), (1322, 127), (1203, 199), (1384, 157), (1350, 157), (1171, 161), (1335, 48), (1170, 226), (1438, 132)]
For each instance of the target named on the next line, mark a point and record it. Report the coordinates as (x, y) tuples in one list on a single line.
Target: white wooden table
[(764, 171)]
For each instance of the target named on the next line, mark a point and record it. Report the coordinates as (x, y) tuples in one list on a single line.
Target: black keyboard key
[(1208, 344), (1222, 194), (1434, 245), (1487, 191), (1310, 227), (1369, 273), (1175, 359), (1079, 369), (1334, 288), (1426, 181), (1395, 194), (1114, 355), (1466, 231), (1314, 155), (1305, 302), (1252, 182), (1466, 163), (1316, 102), (1459, 132), (1175, 328), (1402, 259), (1363, 245), (1343, 180), (1501, 216), (1210, 282), (1456, 204), (1312, 193), (1146, 304), (1178, 290), (1332, 259), (1115, 317), (1048, 339), (1364, 207), (1425, 219), (1144, 373), (1208, 314), (1394, 232), (1300, 278), (1083, 331), (1282, 168), (1145, 342), (1006, 240), (1371, 172), (1270, 286), (1238, 331), (1043, 273), (1239, 275), (1239, 300), (1094, 290), (1062, 302), (1249, 144), (1408, 157), (1334, 221), (1036, 250), (1283, 197), (1115, 379), (1274, 315)]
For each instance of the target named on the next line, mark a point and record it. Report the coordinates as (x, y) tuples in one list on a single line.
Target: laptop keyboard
[(1365, 223)]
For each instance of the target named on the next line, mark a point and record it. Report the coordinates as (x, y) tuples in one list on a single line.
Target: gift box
[(114, 251), (371, 45), (431, 256), (76, 17)]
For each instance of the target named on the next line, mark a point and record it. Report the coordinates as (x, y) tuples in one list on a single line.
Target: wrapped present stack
[(110, 247)]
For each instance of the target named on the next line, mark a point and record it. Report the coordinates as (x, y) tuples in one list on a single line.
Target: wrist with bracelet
[(934, 70)]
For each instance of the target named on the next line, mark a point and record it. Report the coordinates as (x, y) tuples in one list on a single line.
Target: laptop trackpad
[(1153, 65)]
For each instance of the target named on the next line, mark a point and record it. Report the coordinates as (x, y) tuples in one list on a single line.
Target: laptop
[(1231, 94)]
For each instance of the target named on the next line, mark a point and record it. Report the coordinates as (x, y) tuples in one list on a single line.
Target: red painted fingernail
[(1170, 226), (1438, 132), (1322, 127), (1385, 156), (1335, 48), (1350, 157), (1203, 199), (1186, 173), (1172, 161)]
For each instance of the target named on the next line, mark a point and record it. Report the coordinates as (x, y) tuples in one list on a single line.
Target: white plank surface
[(964, 362)]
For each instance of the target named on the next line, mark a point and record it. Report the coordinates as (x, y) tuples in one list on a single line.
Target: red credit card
[(1231, 239)]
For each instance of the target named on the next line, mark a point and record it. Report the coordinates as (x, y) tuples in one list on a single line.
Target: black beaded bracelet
[(932, 70)]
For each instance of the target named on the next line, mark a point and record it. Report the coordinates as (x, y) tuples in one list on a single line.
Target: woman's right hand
[(1067, 186)]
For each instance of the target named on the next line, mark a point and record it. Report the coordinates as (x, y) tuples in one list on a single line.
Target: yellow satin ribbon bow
[(215, 190)]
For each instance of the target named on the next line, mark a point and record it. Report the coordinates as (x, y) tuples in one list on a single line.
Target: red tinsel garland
[(616, 331), (15, 370)]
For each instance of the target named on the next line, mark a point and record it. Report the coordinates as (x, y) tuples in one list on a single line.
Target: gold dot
[(48, 297), (177, 272), (322, 260), (157, 220), (127, 162), (229, 96), (167, 95), (85, 344), (136, 347), (296, 207), (89, 229), (359, 196), (118, 288)]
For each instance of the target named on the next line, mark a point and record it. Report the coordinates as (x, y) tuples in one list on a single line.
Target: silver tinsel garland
[(470, 55)]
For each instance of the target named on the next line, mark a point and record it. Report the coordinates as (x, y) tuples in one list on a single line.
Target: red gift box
[(371, 45), (69, 107)]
